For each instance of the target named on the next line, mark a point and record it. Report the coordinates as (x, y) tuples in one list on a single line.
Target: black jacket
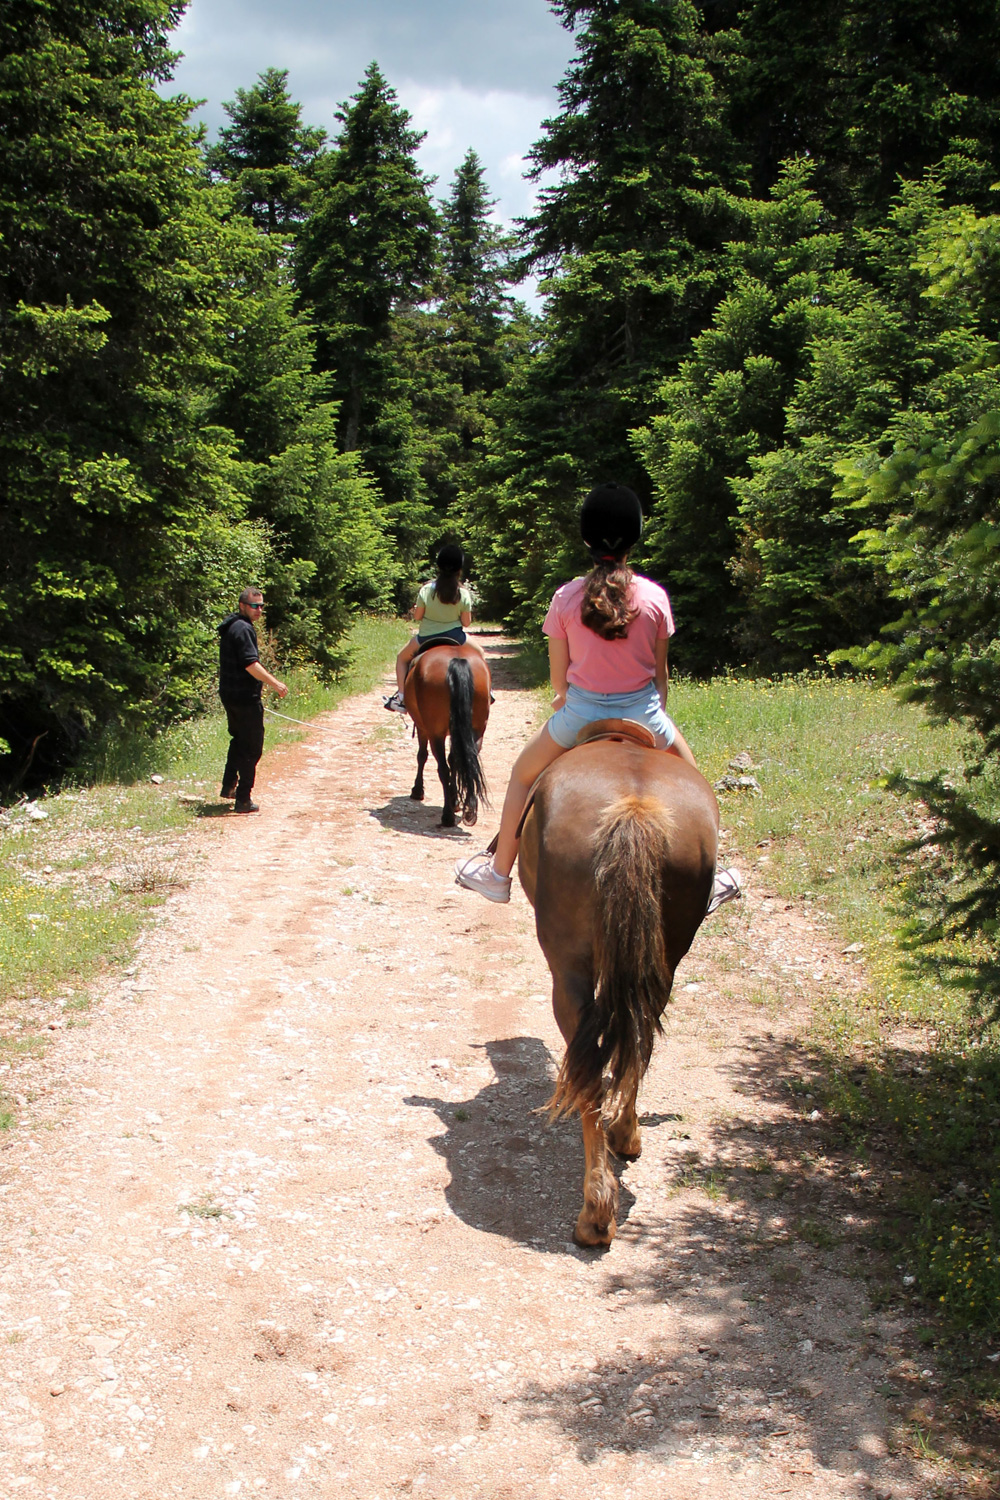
[(237, 651)]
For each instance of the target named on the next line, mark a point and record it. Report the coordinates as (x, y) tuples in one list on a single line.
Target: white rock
[(806, 1346), (158, 781)]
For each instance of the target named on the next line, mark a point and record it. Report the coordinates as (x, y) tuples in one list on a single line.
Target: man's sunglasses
[(258, 605)]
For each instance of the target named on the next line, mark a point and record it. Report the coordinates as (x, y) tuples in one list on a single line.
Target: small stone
[(156, 780), (806, 1346), (56, 1390), (854, 948)]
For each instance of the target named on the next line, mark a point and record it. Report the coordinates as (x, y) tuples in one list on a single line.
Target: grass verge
[(80, 871)]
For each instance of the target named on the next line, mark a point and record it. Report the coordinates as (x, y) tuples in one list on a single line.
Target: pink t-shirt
[(602, 666)]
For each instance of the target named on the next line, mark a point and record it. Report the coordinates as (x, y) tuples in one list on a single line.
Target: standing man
[(240, 679)]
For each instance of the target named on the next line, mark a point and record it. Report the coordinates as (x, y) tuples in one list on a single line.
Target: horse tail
[(466, 767), (631, 976)]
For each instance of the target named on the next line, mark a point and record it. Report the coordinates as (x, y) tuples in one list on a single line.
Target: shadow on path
[(512, 1173), (779, 1359)]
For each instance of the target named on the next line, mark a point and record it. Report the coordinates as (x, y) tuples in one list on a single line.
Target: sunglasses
[(259, 605)]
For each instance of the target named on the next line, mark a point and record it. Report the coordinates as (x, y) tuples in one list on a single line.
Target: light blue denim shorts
[(582, 708)]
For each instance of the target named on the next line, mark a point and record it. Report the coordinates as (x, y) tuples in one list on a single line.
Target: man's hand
[(263, 675)]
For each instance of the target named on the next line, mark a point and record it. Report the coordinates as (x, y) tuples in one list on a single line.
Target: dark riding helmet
[(450, 558), (611, 519)]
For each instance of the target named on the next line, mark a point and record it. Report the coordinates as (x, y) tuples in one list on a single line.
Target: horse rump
[(632, 978), (468, 779)]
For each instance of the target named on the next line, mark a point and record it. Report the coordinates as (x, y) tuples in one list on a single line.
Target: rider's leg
[(403, 660), (540, 751), (681, 747)]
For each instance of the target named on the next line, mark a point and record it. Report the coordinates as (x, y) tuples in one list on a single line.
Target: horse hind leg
[(572, 998), (597, 1224), (417, 794), (623, 1133), (444, 772)]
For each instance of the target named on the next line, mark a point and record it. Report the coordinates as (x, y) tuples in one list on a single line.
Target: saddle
[(617, 729), (622, 731)]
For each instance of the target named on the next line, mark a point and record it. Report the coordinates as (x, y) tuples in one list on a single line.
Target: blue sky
[(478, 73)]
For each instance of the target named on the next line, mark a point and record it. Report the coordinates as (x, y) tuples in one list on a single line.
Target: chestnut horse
[(617, 856), (448, 696)]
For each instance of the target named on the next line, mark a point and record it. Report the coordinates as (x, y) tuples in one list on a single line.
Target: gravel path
[(284, 1219)]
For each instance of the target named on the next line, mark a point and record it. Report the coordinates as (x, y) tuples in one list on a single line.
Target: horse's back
[(572, 804), (426, 694)]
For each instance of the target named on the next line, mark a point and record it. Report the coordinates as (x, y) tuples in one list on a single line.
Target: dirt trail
[(285, 1221)]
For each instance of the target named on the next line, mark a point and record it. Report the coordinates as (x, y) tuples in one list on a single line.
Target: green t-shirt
[(439, 616)]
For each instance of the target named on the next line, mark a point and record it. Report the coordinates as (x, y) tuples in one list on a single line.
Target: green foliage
[(873, 91), (329, 552), (458, 350), (627, 237), (122, 511), (367, 252), (267, 154), (726, 406)]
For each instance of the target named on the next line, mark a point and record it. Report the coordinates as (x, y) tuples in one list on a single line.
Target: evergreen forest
[(769, 261)]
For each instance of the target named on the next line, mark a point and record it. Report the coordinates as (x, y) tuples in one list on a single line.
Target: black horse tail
[(632, 979), (468, 780)]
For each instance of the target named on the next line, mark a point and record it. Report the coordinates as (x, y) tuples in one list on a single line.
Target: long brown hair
[(448, 584), (605, 607)]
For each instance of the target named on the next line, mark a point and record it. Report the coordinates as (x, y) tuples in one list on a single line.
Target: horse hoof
[(447, 822), (590, 1235), (470, 819), (416, 796), (626, 1145)]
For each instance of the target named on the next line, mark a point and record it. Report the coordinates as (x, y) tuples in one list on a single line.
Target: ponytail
[(448, 586), (605, 607)]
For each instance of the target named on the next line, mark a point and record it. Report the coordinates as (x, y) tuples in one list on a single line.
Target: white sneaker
[(395, 704), (477, 874), (728, 887)]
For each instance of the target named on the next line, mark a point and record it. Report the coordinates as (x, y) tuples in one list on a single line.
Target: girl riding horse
[(442, 611), (608, 635)]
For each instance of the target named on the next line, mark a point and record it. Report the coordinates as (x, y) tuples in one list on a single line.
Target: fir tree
[(267, 153), (628, 237), (366, 253), (117, 494), (458, 349), (873, 91)]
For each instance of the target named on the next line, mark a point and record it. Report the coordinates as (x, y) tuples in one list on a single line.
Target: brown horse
[(617, 855), (448, 696)]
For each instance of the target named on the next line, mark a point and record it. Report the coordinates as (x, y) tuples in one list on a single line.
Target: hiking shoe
[(395, 704), (728, 887), (477, 874), (228, 793), (246, 807)]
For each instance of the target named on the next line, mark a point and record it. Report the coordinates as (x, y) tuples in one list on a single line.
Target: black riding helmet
[(450, 558), (611, 519)]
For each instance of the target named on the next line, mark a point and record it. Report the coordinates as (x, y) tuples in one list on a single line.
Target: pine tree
[(117, 495), (267, 153), (329, 552), (873, 91), (365, 254), (628, 238), (458, 349)]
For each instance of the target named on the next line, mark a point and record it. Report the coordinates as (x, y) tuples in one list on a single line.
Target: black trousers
[(246, 746)]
